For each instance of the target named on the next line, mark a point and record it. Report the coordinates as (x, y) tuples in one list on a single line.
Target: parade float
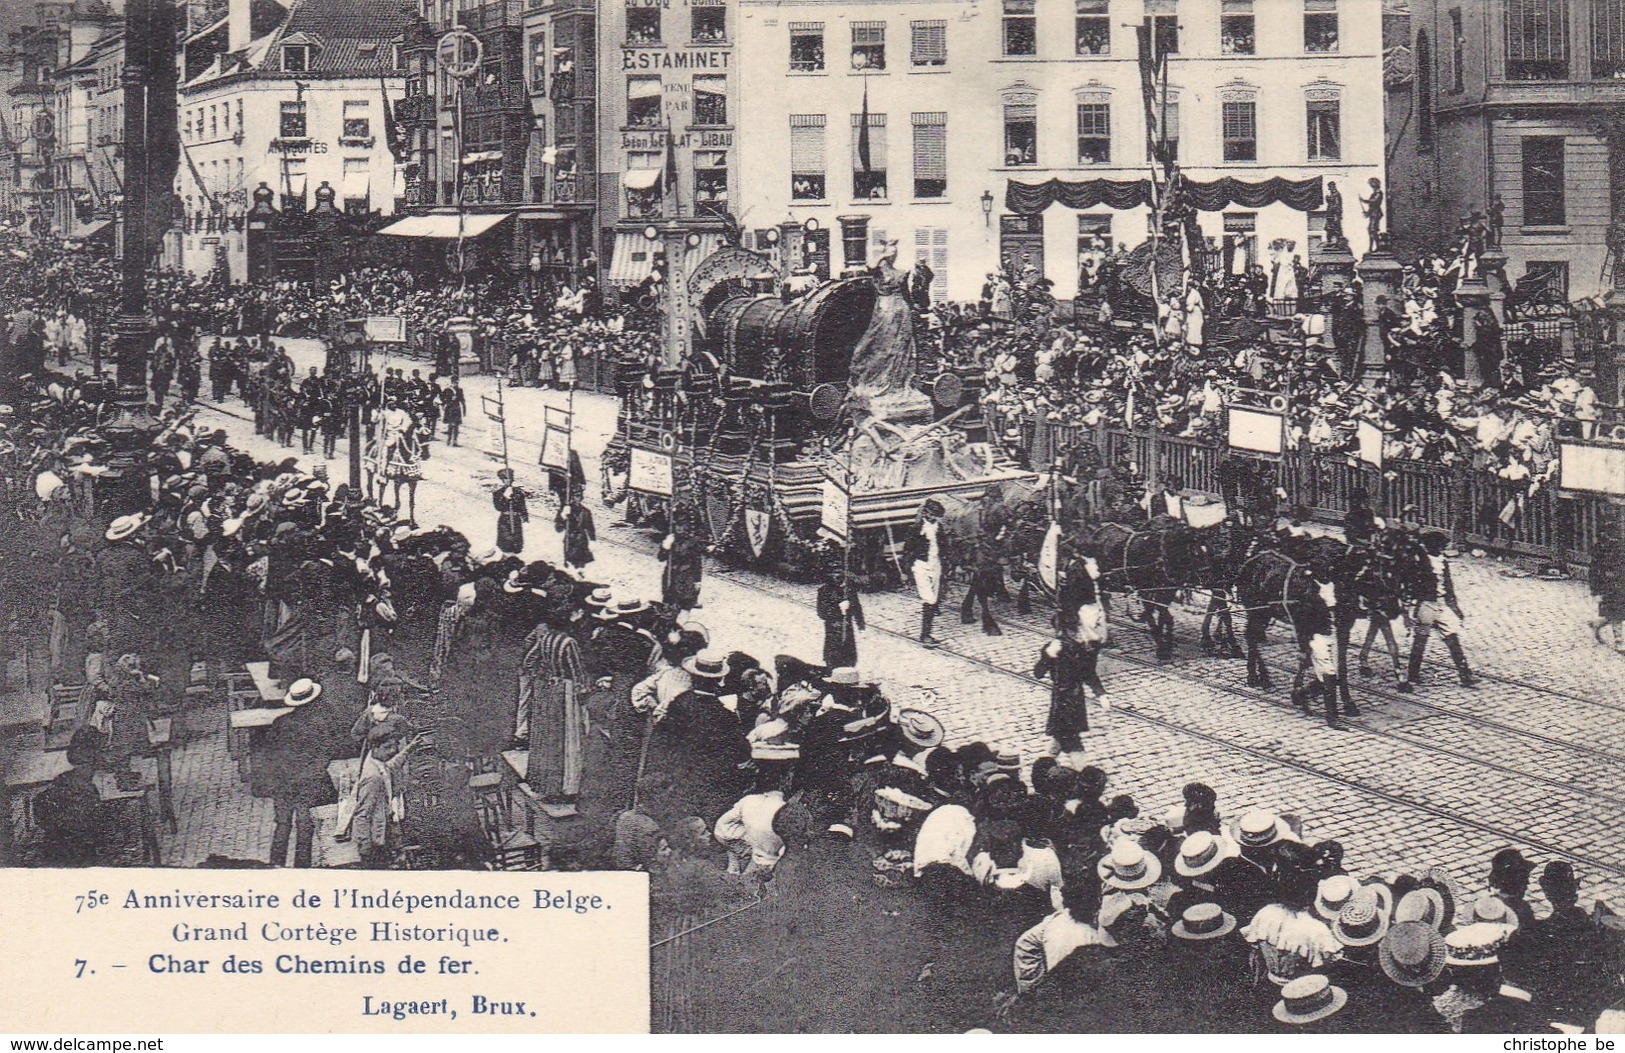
[(788, 410)]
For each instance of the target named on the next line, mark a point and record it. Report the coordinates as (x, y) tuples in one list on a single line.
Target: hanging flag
[(863, 130), (671, 159), (392, 131), (1150, 71)]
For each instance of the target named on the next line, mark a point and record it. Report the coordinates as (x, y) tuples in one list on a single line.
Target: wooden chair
[(240, 694), (519, 851), (69, 711)]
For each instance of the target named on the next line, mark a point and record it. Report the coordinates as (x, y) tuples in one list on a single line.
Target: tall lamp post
[(149, 103)]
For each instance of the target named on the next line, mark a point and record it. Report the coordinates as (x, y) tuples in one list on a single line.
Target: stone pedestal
[(1380, 275), (1474, 297), (1333, 264)]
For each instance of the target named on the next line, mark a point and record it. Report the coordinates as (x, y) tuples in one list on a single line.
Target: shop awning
[(633, 259), (545, 216), (634, 255), (355, 185), (443, 226), (86, 231), (482, 155), (641, 179)]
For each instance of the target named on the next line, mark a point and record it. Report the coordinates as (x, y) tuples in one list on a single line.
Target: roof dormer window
[(295, 58)]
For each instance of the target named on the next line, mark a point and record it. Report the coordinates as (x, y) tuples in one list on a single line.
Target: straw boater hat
[(622, 609), (1205, 921), (1260, 828), (1476, 944), (600, 598), (1133, 829), (919, 728), (1129, 867), (1423, 905), (1441, 881), (1363, 921), (302, 692), (1489, 908), (1202, 852), (1309, 998), (1333, 895), (1412, 954), (707, 665), (125, 526)]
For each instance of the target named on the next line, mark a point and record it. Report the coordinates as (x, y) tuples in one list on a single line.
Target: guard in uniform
[(923, 555), (1437, 609)]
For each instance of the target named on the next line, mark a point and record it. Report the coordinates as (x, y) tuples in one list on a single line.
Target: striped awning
[(442, 225)]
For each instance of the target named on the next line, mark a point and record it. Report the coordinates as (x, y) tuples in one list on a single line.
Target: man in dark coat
[(574, 521), (841, 611), (1070, 668), (1606, 578), (512, 514), (699, 742), (290, 761), (987, 576), (73, 822), (683, 553)]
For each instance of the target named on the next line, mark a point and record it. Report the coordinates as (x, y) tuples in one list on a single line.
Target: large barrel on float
[(816, 334)]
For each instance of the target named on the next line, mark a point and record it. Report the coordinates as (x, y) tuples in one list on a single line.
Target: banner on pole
[(1591, 467), (556, 448), (650, 473), (836, 510), (1370, 439), (1257, 430), (385, 329)]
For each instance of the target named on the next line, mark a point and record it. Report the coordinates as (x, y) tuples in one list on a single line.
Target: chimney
[(239, 24)]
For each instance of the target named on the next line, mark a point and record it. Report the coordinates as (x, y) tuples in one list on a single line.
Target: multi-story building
[(1521, 101), (669, 94), (43, 131), (965, 97), (88, 105), (495, 155), (304, 104)]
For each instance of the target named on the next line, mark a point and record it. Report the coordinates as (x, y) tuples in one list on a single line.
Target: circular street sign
[(460, 53)]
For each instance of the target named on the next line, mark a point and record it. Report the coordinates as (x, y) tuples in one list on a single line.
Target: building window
[(868, 45), (355, 189), (296, 58), (643, 109), (931, 249), (1240, 242), (1543, 197), (357, 119), (711, 182), (1607, 39), (1320, 26), (537, 67), (293, 121), (1240, 119), (1094, 245), (1458, 53), (807, 157), (293, 184), (1325, 131), (710, 99), (930, 155), (214, 122), (642, 22), (1162, 26), (1424, 91), (1317, 233), (645, 169), (806, 47), (1020, 28), (1537, 36), (869, 158), (1094, 133), (928, 43), (1093, 28), (1237, 32), (708, 22), (1020, 130), (1168, 115)]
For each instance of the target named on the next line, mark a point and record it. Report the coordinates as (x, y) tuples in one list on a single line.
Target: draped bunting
[(1026, 199)]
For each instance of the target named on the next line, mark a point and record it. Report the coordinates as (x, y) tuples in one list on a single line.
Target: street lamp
[(987, 208)]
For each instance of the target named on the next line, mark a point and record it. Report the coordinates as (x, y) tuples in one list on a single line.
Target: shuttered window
[(807, 158), (930, 155), (928, 43)]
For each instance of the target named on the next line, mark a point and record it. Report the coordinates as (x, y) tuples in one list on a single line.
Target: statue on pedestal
[(1372, 207), (1498, 216), (1334, 218)]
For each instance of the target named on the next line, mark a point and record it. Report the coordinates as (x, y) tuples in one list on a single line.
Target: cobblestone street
[(1534, 757)]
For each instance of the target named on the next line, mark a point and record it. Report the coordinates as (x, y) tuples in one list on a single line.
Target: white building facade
[(293, 110), (968, 96)]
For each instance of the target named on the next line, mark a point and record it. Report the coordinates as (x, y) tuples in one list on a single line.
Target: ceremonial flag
[(671, 158), (863, 130)]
